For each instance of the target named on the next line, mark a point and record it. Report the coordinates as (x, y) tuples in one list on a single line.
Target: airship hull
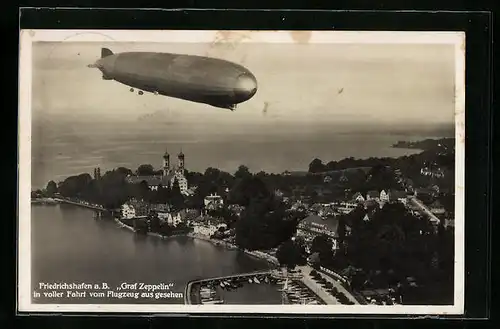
[(194, 78)]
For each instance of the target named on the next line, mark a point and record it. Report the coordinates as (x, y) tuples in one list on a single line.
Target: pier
[(44, 201), (81, 204), (98, 208)]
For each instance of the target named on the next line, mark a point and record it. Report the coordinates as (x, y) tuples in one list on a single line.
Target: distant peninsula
[(427, 144)]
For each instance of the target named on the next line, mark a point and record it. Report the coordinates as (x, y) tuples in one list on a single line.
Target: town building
[(346, 207), (369, 204), (204, 229), (277, 192), (436, 188), (213, 201), (127, 211), (384, 196), (358, 197), (168, 176), (326, 211), (173, 219), (436, 208), (373, 195), (209, 227), (426, 193), (370, 212), (398, 196), (236, 209), (133, 209), (437, 172), (299, 206), (313, 226)]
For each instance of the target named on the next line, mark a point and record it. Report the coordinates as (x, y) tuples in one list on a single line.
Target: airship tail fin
[(105, 52)]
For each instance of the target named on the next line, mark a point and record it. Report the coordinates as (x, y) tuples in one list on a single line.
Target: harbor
[(284, 288)]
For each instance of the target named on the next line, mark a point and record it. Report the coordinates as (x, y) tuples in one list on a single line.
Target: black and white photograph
[(301, 172)]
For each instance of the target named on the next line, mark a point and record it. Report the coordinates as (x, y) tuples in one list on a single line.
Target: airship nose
[(246, 87), (98, 64)]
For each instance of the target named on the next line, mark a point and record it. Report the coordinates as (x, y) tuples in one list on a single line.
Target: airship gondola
[(199, 79)]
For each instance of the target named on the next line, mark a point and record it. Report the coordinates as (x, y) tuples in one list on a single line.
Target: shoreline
[(256, 254)]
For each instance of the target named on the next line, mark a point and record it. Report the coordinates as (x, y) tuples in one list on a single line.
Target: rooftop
[(397, 194), (330, 223), (151, 180)]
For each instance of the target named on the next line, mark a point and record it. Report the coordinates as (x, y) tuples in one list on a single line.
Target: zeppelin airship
[(199, 79)]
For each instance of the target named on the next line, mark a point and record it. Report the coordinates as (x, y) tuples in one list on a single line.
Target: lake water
[(69, 246), (61, 149)]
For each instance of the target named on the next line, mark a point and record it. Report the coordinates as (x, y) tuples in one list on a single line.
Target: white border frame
[(27, 37)]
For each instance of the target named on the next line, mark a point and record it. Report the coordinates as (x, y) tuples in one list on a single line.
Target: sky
[(314, 83)]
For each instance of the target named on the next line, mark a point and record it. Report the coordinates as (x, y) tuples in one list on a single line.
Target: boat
[(256, 280), (216, 301), (250, 280), (285, 286)]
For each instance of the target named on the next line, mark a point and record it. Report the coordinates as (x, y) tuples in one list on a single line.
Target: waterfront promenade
[(319, 290)]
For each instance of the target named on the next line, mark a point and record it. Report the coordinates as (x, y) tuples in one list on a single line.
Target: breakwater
[(188, 291)]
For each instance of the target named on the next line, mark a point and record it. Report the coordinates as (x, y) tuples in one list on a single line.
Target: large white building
[(206, 229), (213, 201), (128, 211), (167, 178), (346, 207), (313, 226)]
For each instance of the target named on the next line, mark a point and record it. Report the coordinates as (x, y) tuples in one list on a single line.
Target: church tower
[(166, 163), (181, 161)]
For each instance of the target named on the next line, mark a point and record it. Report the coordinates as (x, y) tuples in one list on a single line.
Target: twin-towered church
[(168, 176)]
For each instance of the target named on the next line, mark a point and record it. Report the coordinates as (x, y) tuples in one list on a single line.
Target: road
[(419, 203), (426, 210)]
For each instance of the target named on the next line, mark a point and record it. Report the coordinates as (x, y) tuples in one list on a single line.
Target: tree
[(247, 189), (341, 230), (176, 197), (323, 246), (290, 254), (74, 185), (242, 172), (316, 166), (154, 222), (264, 225), (261, 174), (315, 260), (51, 188), (163, 194), (124, 171), (145, 170), (142, 191)]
